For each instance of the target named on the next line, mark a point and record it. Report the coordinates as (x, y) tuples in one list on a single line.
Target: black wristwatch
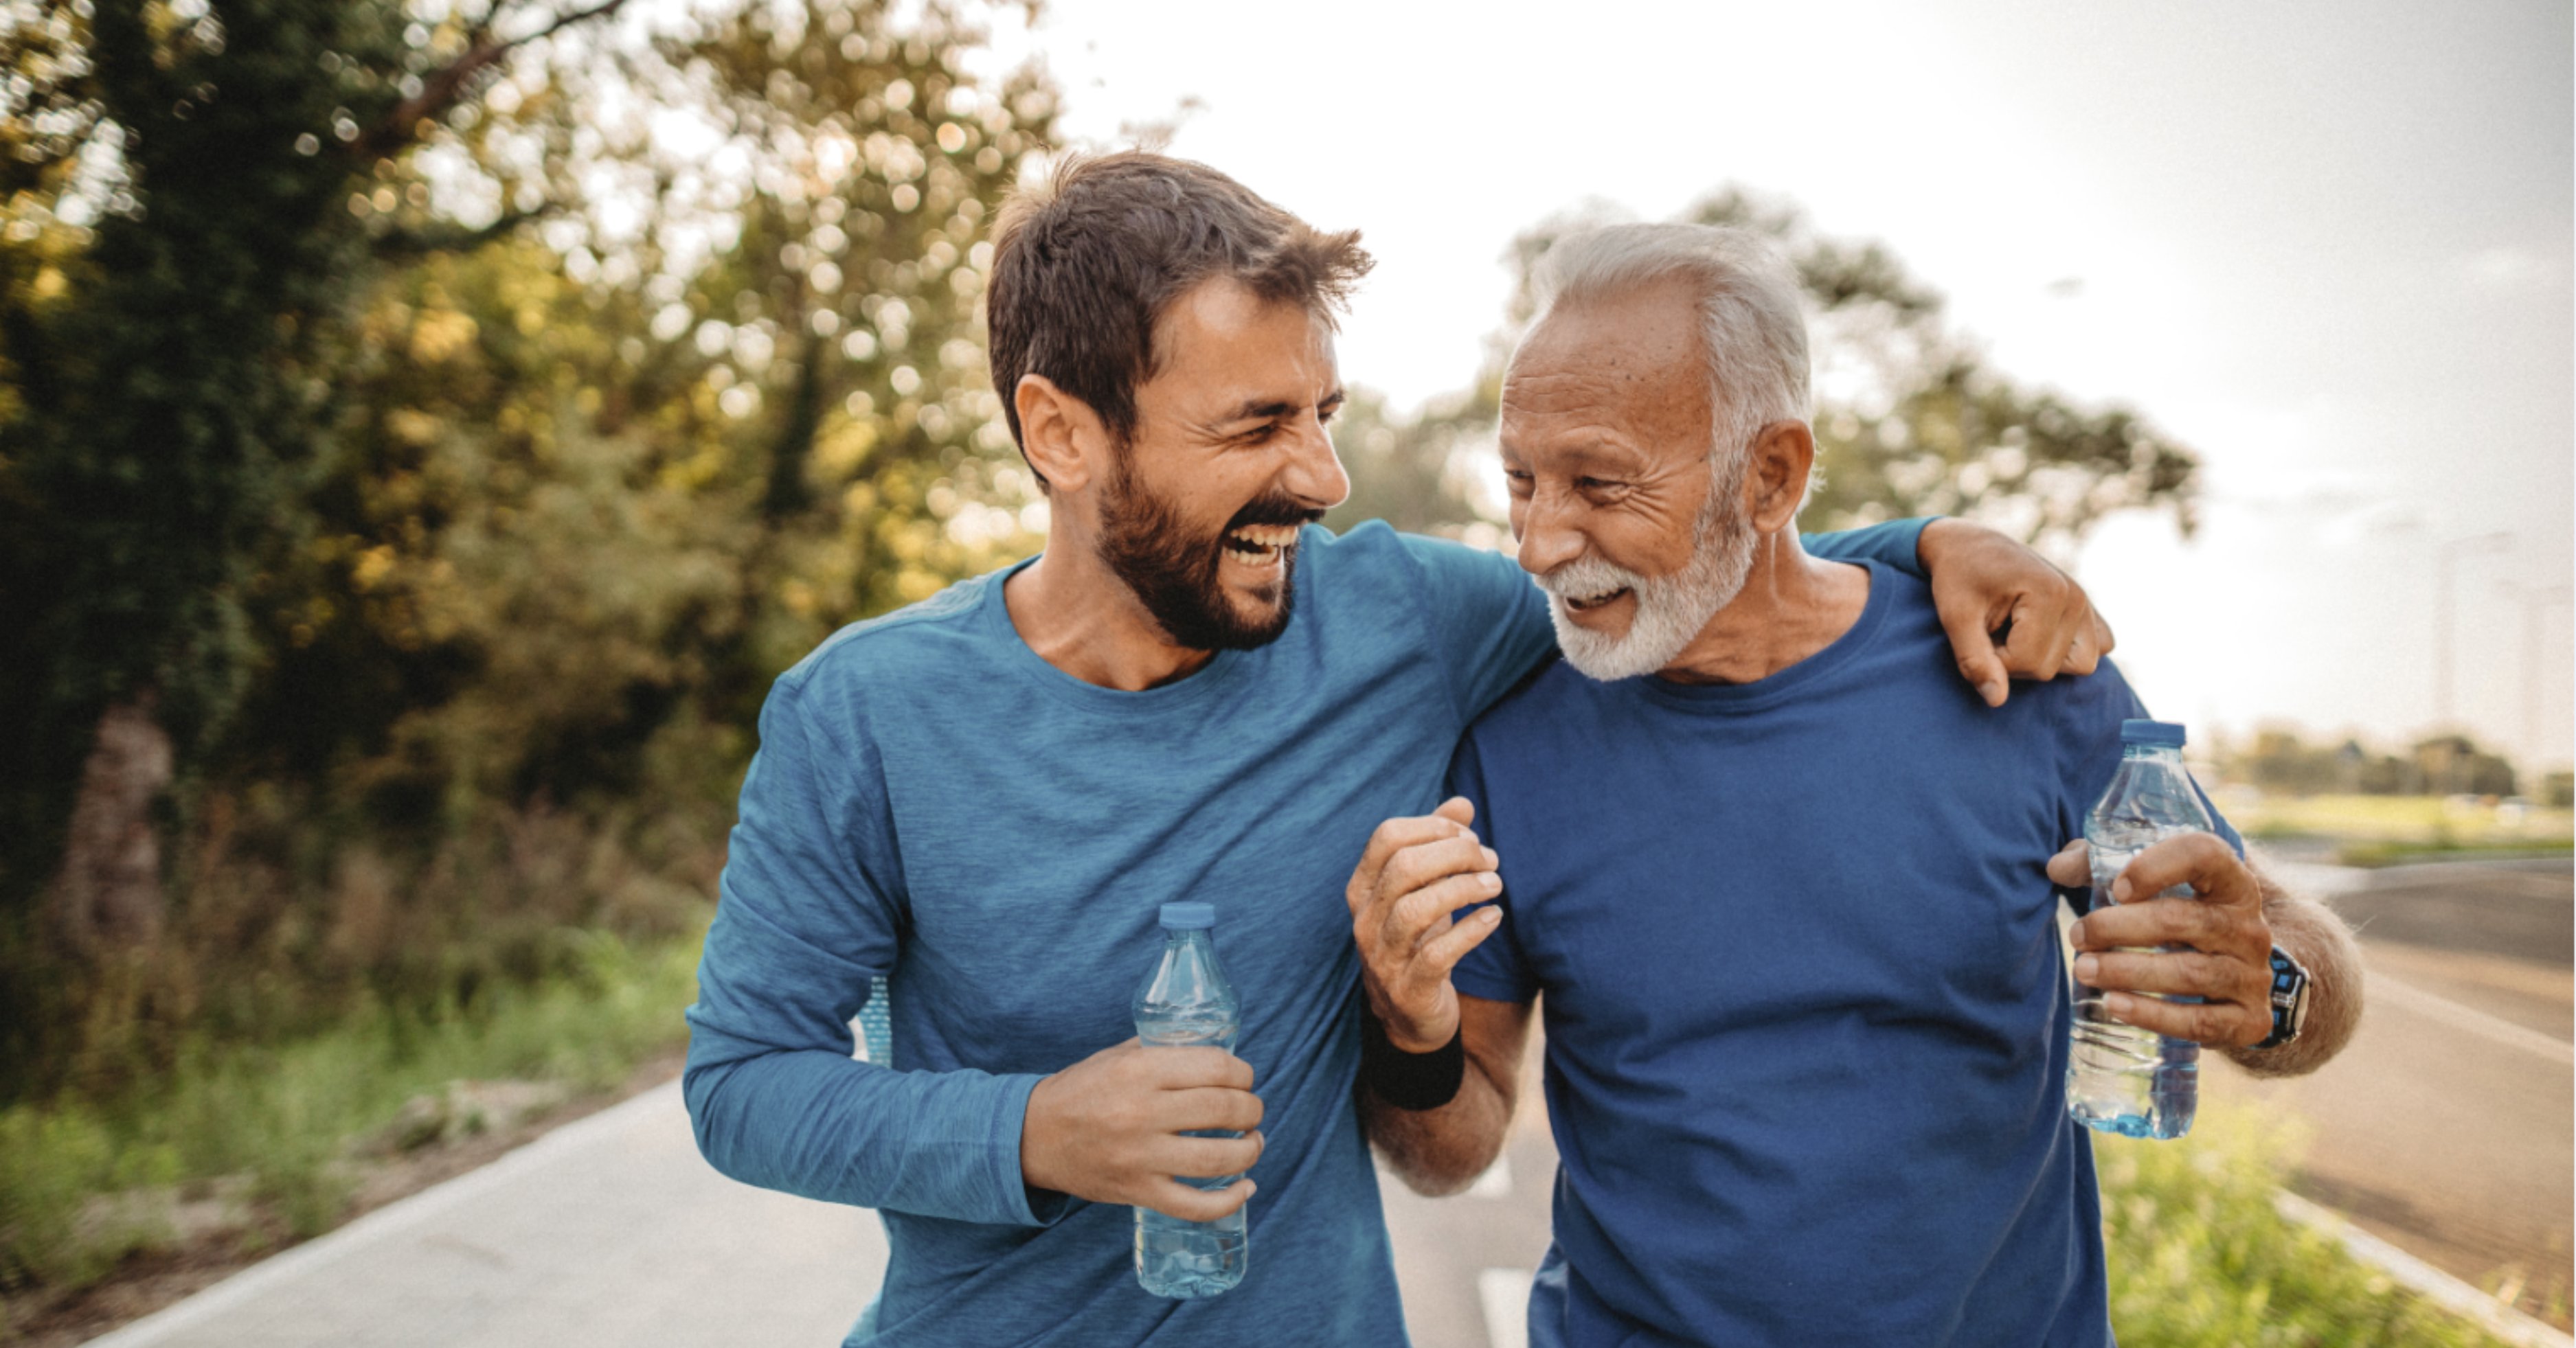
[(2289, 999)]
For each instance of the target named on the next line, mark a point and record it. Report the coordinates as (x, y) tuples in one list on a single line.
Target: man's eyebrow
[(1273, 409), (1595, 454)]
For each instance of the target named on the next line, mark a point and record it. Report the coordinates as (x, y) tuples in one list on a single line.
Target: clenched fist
[(1416, 873), (1111, 1129)]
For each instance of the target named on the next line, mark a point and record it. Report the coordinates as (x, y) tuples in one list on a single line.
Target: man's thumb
[(1457, 810)]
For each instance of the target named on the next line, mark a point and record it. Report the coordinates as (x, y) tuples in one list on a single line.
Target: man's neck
[(1792, 606), (1081, 618)]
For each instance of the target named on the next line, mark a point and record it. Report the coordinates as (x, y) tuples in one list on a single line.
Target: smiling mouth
[(1261, 544), (1587, 603)]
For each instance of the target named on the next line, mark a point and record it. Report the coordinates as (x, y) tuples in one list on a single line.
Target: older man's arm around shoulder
[(1441, 1072)]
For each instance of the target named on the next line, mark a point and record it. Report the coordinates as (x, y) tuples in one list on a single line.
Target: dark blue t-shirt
[(1806, 1013)]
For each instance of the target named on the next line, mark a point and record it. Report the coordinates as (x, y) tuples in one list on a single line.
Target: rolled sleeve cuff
[(1014, 1202)]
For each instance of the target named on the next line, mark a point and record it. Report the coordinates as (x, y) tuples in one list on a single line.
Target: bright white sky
[(2328, 245)]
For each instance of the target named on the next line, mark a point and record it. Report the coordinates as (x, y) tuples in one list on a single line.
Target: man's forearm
[(1441, 1151), (1437, 1152), (2322, 945), (816, 1124)]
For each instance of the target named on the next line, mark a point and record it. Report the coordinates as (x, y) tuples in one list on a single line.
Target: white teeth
[(1266, 537)]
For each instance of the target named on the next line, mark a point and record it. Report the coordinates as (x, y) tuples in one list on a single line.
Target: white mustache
[(1585, 577)]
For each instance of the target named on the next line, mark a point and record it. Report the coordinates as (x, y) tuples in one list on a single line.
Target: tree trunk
[(108, 896)]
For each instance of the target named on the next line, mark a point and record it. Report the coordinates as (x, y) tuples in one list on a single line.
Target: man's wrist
[(1410, 1081)]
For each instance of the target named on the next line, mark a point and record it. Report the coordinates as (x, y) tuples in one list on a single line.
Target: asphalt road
[(2445, 1128)]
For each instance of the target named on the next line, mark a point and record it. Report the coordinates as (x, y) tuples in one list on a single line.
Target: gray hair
[(1750, 321)]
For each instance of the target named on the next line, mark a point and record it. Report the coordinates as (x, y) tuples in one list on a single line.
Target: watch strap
[(2289, 999)]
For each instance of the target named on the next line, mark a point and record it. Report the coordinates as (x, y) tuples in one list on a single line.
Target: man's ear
[(1062, 436), (1777, 467)]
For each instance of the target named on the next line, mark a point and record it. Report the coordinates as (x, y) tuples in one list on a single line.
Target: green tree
[(613, 475), (173, 238), (406, 407)]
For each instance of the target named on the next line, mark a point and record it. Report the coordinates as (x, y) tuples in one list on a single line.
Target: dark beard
[(1173, 571)]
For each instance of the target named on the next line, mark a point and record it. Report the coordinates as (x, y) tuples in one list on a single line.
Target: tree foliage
[(612, 475), (2278, 760), (1910, 417), (429, 409)]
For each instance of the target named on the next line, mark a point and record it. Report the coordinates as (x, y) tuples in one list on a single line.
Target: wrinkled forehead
[(1626, 376)]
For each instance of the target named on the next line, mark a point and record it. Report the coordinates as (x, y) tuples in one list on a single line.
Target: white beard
[(1672, 609)]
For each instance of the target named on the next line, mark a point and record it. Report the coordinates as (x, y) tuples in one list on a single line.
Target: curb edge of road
[(393, 1217), (2450, 1291)]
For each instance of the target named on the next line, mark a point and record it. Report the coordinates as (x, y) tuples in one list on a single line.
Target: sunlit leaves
[(727, 332)]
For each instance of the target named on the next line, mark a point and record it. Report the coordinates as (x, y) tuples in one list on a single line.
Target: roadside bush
[(83, 1186), (2201, 1258)]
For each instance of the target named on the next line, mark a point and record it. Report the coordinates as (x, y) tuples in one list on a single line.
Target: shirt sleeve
[(1893, 544), (1488, 622), (1496, 969), (810, 911)]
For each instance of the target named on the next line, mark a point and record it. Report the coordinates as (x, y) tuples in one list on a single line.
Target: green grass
[(2200, 1257), (282, 1120), (2400, 853), (2423, 821)]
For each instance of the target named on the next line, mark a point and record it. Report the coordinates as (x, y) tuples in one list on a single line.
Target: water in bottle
[(2119, 1078), (1189, 1001)]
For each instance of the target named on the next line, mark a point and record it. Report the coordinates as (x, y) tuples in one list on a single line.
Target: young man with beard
[(1780, 886), (1191, 694)]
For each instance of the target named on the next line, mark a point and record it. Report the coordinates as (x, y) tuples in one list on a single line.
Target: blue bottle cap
[(2167, 734), (1188, 916)]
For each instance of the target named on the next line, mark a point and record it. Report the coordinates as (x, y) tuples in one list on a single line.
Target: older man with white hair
[(1780, 884)]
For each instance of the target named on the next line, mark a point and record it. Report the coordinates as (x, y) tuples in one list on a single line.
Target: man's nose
[(1314, 474), (1548, 538)]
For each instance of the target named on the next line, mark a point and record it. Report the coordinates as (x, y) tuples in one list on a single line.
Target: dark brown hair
[(1083, 266)]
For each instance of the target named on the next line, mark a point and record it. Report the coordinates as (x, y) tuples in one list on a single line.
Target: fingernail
[(1493, 858), (2117, 1003), (2086, 966), (2075, 933), (1992, 692), (1491, 916), (1490, 881)]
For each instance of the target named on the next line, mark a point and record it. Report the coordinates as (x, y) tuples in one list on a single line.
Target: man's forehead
[(1589, 386), (1636, 332), (1224, 350)]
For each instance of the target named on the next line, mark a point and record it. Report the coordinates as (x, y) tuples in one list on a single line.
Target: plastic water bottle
[(1188, 1001), (2119, 1078)]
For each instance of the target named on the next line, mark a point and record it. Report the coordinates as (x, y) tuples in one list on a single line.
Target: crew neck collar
[(1222, 669), (1740, 697)]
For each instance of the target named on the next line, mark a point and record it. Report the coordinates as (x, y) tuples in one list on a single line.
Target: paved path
[(610, 1230), (2445, 1128)]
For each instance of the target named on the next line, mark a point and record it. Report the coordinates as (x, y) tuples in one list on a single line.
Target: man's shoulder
[(1375, 556), (923, 638)]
